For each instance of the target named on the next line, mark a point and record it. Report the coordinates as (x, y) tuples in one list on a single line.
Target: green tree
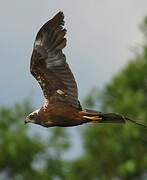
[(118, 151), (27, 155)]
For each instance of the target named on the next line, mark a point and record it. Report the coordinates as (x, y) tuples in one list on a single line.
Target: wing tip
[(60, 13), (59, 18)]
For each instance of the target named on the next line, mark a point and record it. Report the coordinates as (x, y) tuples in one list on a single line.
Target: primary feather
[(49, 66)]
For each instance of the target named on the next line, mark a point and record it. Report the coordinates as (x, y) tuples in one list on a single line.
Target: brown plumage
[(49, 67)]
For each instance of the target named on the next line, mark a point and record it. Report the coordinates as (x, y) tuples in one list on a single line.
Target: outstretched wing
[(49, 66)]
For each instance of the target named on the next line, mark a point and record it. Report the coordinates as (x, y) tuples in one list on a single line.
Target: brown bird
[(49, 67)]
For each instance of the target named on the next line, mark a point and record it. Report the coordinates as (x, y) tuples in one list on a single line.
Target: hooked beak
[(27, 120)]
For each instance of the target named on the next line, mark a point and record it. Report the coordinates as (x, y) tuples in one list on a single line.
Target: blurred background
[(107, 52)]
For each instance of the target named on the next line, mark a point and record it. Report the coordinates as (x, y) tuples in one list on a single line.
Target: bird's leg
[(93, 118)]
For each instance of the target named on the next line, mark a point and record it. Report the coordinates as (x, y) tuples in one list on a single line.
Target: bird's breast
[(60, 115)]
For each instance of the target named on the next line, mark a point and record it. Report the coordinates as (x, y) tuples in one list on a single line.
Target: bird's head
[(32, 117)]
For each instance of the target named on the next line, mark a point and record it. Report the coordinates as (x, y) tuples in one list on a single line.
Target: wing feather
[(49, 66)]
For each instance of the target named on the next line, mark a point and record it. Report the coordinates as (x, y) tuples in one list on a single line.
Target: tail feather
[(112, 118), (95, 116), (118, 118)]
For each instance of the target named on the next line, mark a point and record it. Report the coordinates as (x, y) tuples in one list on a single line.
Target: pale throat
[(35, 112)]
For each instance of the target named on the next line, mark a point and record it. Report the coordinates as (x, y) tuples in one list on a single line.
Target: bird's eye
[(31, 116)]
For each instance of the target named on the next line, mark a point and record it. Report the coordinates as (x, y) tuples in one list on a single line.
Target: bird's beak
[(27, 120)]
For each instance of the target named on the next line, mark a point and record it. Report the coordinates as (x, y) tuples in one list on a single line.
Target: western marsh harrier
[(49, 67)]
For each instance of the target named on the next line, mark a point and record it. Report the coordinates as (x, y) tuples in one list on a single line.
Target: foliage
[(109, 151), (25, 156), (118, 151)]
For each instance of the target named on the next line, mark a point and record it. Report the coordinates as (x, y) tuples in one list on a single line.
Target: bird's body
[(59, 114), (62, 115), (49, 67)]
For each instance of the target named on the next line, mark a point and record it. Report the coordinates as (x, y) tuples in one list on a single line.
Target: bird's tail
[(94, 116)]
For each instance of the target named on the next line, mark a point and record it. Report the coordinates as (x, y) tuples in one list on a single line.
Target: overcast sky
[(100, 33)]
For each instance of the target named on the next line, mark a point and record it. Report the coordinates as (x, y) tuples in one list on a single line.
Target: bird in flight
[(48, 65)]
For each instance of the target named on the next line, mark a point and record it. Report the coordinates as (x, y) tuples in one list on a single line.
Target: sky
[(100, 34)]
